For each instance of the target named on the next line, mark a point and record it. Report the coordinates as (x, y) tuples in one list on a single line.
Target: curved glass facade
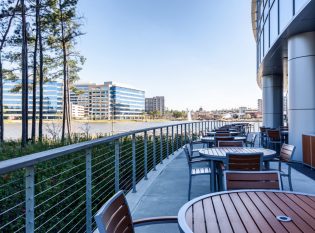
[(273, 17)]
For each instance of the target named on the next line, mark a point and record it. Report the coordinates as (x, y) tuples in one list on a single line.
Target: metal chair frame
[(196, 171), (115, 217)]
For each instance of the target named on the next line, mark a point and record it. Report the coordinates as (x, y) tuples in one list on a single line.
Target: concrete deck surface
[(168, 192)]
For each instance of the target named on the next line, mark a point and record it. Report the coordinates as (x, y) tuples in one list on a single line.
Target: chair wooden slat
[(230, 143), (246, 161), (252, 180)]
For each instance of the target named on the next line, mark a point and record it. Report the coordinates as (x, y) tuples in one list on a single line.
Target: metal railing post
[(145, 141), (167, 143), (134, 163), (181, 135), (176, 137), (29, 199), (161, 145), (88, 190), (154, 151), (116, 166), (192, 131), (172, 139), (185, 125)]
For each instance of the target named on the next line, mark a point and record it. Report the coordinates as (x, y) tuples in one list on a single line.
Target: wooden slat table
[(216, 154), (249, 211)]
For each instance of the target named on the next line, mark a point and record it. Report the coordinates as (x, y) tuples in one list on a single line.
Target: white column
[(272, 101), (301, 72)]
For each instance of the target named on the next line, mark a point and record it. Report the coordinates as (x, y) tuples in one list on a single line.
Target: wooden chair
[(252, 180), (286, 154), (263, 136), (230, 144), (244, 161), (274, 139), (114, 217), (196, 171), (250, 140), (222, 138), (222, 134)]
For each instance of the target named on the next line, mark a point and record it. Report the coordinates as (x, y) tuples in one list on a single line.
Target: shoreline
[(96, 121)]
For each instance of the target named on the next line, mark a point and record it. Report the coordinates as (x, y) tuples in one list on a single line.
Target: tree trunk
[(1, 102), (24, 80), (41, 77), (35, 77), (65, 115)]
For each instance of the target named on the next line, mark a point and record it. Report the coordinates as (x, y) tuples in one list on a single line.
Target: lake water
[(13, 130)]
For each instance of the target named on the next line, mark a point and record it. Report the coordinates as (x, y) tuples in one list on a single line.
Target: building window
[(286, 13), (273, 22), (298, 5), (266, 36)]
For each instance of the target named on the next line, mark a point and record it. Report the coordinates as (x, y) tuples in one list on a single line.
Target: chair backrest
[(263, 129), (222, 134), (223, 138), (230, 144), (244, 161), (286, 152), (114, 216), (273, 134), (187, 152), (252, 180)]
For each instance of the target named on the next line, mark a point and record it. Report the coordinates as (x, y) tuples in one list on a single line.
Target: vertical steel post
[(88, 190), (172, 139), (167, 143), (154, 151), (134, 163), (145, 141), (181, 135), (176, 137), (29, 198), (161, 145), (192, 131), (116, 165), (185, 125)]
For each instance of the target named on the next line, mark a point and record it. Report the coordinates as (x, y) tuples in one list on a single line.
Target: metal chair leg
[(189, 189), (289, 178)]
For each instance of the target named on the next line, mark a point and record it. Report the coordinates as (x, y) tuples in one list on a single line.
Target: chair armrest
[(155, 220)]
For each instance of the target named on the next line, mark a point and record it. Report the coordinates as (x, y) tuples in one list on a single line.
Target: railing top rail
[(32, 159)]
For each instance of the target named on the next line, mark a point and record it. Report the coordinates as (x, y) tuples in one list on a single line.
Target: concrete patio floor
[(168, 192)]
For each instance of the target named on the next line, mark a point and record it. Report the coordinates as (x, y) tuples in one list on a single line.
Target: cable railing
[(60, 190)]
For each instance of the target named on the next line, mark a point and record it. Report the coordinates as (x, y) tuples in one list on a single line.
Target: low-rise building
[(77, 111)]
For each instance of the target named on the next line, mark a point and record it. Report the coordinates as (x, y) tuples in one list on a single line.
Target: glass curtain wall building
[(126, 102), (52, 105), (109, 101), (285, 34)]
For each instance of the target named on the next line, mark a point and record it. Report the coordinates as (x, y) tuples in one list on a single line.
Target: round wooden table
[(249, 211), (216, 154)]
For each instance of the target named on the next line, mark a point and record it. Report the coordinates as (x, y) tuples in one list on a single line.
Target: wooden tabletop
[(212, 133), (249, 211), (212, 139), (219, 153)]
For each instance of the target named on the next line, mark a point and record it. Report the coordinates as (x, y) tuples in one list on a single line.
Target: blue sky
[(197, 53)]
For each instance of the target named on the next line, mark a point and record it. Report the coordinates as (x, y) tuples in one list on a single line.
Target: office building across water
[(52, 103), (109, 100)]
